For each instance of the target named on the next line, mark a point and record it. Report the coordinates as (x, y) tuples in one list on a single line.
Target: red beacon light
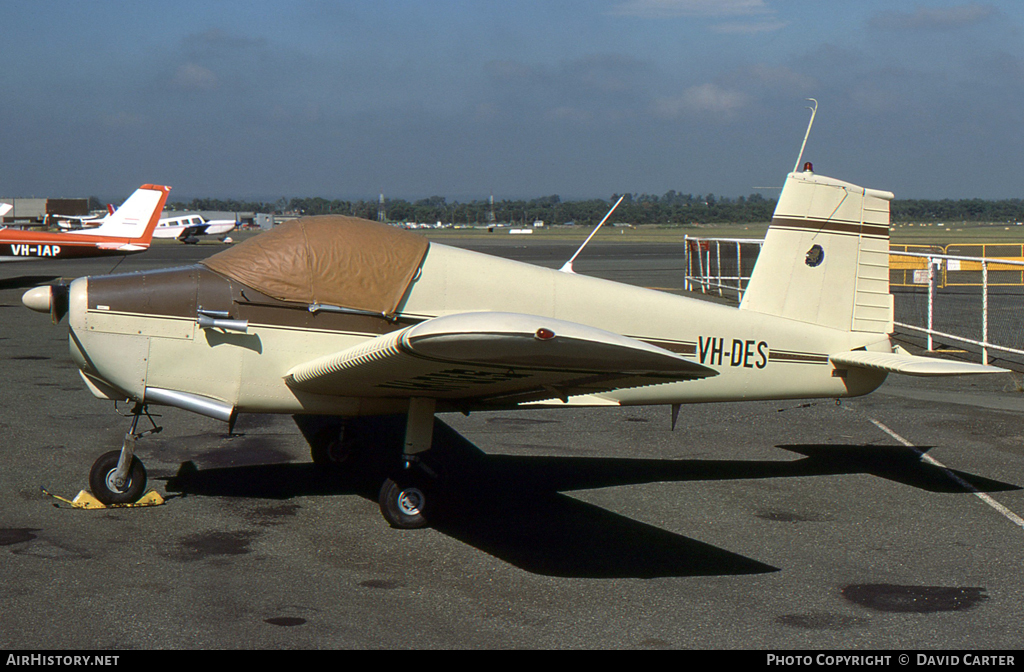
[(808, 168), (544, 334)]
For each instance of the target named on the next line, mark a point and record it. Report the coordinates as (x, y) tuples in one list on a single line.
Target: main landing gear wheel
[(104, 487), (402, 505), (333, 448)]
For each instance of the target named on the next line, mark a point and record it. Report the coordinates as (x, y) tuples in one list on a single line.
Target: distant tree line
[(673, 208), (965, 210)]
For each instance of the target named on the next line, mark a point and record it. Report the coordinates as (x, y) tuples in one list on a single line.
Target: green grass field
[(964, 232), (909, 234)]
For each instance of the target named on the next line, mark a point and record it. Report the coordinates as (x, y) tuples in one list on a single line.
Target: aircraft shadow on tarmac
[(512, 507)]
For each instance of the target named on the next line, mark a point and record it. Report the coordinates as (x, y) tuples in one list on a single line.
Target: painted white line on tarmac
[(1009, 515)]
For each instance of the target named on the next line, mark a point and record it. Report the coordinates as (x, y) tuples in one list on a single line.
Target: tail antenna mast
[(810, 123), (567, 267)]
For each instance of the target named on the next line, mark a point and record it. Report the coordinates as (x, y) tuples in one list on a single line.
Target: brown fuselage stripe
[(832, 226), (683, 348), (796, 358), (672, 346)]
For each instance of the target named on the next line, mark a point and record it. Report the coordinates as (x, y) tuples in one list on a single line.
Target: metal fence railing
[(963, 269), (717, 265), (943, 294)]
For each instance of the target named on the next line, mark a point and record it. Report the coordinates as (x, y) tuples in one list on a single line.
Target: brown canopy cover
[(330, 260)]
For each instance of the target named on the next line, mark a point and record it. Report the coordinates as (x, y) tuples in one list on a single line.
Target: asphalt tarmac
[(765, 525)]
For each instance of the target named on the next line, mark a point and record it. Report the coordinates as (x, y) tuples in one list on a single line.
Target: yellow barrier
[(968, 273), (906, 271)]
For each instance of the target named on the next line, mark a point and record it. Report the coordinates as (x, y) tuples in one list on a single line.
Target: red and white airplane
[(128, 230)]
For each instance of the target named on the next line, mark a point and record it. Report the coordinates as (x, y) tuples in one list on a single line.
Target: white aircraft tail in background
[(134, 219)]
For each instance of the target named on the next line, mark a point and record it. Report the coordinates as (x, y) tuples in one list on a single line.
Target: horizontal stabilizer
[(485, 356), (911, 365)]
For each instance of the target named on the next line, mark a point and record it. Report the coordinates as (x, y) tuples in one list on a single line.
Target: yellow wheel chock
[(85, 500)]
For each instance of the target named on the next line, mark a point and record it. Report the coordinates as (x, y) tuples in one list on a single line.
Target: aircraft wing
[(911, 365), (193, 230), (490, 357)]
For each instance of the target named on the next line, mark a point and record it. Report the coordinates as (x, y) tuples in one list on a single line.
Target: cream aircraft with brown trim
[(336, 316)]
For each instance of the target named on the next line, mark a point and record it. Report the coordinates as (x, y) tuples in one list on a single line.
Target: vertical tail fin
[(825, 259), (137, 217)]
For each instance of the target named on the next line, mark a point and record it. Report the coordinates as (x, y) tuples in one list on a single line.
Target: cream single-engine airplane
[(337, 316), (129, 229)]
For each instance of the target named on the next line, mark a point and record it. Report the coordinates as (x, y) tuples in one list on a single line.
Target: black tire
[(403, 505), (333, 447), (102, 485)]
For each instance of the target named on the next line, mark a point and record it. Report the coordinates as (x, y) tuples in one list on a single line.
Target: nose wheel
[(107, 487), (118, 477)]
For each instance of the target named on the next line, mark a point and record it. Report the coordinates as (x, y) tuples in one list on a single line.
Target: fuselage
[(136, 331), (195, 225), (17, 245)]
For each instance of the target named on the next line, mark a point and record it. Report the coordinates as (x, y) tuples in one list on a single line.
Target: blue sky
[(522, 98)]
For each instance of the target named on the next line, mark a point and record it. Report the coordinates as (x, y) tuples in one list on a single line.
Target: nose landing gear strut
[(118, 477)]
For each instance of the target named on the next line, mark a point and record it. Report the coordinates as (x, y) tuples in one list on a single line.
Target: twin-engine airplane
[(129, 229), (337, 316)]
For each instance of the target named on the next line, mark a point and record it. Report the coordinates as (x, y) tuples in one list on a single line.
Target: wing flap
[(911, 365), (505, 357)]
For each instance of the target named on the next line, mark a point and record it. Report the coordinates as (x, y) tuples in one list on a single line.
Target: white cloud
[(749, 28), (675, 8), (572, 114), (124, 120), (704, 99), (779, 78), (943, 18), (194, 77)]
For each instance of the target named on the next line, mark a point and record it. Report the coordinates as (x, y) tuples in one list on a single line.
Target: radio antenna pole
[(810, 123), (567, 267)]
